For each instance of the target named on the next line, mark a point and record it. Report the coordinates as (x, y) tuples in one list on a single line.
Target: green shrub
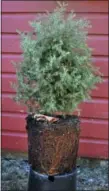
[(56, 71)]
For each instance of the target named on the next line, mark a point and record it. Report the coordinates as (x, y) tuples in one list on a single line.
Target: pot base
[(40, 182)]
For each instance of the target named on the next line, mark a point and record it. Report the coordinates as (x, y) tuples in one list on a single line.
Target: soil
[(53, 147), (91, 175)]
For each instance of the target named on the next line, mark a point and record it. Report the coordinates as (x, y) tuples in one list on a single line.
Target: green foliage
[(56, 70)]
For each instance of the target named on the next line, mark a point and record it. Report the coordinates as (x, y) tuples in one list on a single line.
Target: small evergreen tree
[(56, 72)]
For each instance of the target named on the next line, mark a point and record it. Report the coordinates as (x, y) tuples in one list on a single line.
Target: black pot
[(40, 182)]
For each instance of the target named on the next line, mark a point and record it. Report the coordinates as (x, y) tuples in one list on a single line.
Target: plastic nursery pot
[(39, 182), (53, 147)]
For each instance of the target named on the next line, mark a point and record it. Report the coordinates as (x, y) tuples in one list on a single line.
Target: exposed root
[(53, 147), (45, 118)]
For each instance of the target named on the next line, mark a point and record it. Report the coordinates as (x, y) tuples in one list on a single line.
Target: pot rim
[(74, 171)]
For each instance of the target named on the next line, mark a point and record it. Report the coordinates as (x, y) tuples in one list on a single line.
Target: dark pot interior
[(53, 147)]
